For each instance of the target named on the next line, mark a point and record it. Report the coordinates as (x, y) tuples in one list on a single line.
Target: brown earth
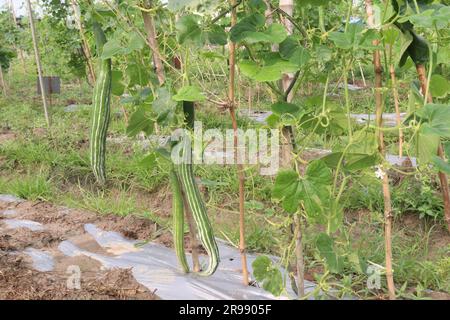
[(18, 279)]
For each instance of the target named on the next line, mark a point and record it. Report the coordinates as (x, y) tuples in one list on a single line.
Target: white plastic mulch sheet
[(156, 267)]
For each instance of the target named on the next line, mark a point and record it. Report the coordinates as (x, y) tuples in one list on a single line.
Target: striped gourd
[(194, 200), (178, 220), (101, 109)]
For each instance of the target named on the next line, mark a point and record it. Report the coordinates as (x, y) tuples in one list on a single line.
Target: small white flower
[(380, 173)]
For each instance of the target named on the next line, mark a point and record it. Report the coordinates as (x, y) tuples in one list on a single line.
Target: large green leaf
[(188, 29), (139, 121), (325, 244), (164, 106), (189, 93), (138, 74), (427, 143), (441, 165), (437, 118), (275, 33), (112, 48), (354, 38), (280, 108), (312, 189), (267, 274), (247, 26), (439, 86), (136, 42), (117, 86), (272, 69)]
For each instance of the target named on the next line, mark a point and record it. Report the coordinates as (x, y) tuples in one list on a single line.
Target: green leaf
[(428, 142), (112, 48), (276, 33), (188, 29), (117, 86), (260, 267), (138, 122), (284, 107), (217, 36), (319, 173), (441, 165), (257, 6), (272, 70), (354, 38), (149, 161), (189, 93), (136, 42), (439, 86), (266, 273), (138, 74), (312, 189), (247, 25), (164, 106), (325, 245), (285, 183), (437, 117)]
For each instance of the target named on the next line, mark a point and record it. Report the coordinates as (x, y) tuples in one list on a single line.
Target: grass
[(31, 186)]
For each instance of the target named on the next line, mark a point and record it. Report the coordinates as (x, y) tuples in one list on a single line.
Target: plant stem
[(396, 103), (241, 173), (386, 192)]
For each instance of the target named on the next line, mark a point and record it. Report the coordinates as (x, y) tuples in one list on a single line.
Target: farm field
[(218, 150)]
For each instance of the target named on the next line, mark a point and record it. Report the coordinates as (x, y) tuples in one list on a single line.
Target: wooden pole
[(240, 166), (13, 14), (38, 63), (386, 192), (152, 41)]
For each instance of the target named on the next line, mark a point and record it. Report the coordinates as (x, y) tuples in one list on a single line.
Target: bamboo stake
[(152, 41), (84, 42), (386, 192), (13, 14), (299, 256), (241, 174), (38, 63), (421, 71)]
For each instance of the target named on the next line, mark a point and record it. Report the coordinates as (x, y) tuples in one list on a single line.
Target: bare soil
[(20, 280)]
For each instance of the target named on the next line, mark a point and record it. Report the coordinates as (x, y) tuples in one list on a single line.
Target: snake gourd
[(185, 174), (101, 109), (178, 219)]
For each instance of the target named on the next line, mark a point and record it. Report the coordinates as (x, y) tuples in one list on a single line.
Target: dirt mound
[(28, 228), (18, 281)]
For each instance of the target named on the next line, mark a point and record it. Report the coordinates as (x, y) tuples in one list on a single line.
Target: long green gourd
[(193, 197), (178, 219), (101, 109)]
